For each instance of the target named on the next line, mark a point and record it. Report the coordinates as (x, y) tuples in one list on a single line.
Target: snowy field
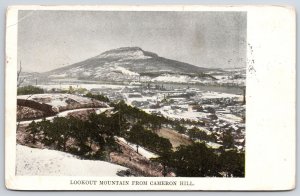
[(231, 118), (188, 115), (76, 86), (216, 95), (172, 78), (33, 161)]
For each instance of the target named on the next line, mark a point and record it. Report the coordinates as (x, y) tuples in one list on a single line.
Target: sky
[(51, 39)]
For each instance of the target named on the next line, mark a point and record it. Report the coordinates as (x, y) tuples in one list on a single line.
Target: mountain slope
[(44, 162), (125, 64)]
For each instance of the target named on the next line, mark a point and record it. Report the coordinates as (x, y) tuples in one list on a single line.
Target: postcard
[(160, 97)]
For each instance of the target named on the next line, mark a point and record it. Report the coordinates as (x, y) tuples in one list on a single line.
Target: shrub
[(27, 90)]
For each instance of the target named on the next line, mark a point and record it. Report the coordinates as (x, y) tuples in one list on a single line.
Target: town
[(214, 112)]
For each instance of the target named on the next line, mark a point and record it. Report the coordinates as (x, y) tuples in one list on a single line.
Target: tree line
[(137, 116), (92, 138), (148, 139), (28, 90), (97, 97), (198, 160)]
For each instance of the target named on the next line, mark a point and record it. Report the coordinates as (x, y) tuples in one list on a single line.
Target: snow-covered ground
[(58, 75), (125, 55), (55, 100), (172, 78), (214, 95), (126, 71), (190, 115), (213, 145), (65, 113), (142, 150), (75, 86), (33, 161), (221, 79), (231, 118), (139, 99)]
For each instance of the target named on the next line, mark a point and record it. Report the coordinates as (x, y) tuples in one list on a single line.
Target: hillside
[(44, 105), (125, 64), (34, 161)]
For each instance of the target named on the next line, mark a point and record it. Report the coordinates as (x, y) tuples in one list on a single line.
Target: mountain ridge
[(132, 64), (134, 54)]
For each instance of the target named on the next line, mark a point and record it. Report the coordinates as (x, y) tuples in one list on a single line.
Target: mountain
[(125, 64)]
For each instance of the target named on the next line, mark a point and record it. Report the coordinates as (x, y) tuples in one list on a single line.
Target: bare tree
[(19, 79), (19, 83)]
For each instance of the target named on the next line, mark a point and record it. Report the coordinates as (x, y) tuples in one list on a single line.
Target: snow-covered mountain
[(125, 64)]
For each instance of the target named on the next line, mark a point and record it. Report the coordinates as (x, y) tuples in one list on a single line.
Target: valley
[(149, 115)]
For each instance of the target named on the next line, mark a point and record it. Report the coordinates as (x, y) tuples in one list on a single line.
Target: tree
[(164, 150), (103, 129), (135, 115), (179, 128), (119, 124), (196, 133), (195, 160), (228, 140), (19, 79), (148, 139), (233, 163), (136, 135), (62, 130), (163, 145), (57, 132), (82, 132), (212, 137), (33, 129), (98, 97), (71, 90), (192, 133), (45, 127)]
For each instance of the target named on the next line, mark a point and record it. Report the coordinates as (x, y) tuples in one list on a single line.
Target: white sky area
[(53, 39)]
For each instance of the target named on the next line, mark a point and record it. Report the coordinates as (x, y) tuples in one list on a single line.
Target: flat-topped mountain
[(126, 63)]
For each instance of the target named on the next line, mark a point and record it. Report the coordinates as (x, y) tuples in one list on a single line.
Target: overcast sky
[(52, 39)]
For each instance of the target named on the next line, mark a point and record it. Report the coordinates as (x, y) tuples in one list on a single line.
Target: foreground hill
[(33, 161), (34, 106)]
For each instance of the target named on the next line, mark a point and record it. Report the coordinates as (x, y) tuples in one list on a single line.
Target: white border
[(270, 113)]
